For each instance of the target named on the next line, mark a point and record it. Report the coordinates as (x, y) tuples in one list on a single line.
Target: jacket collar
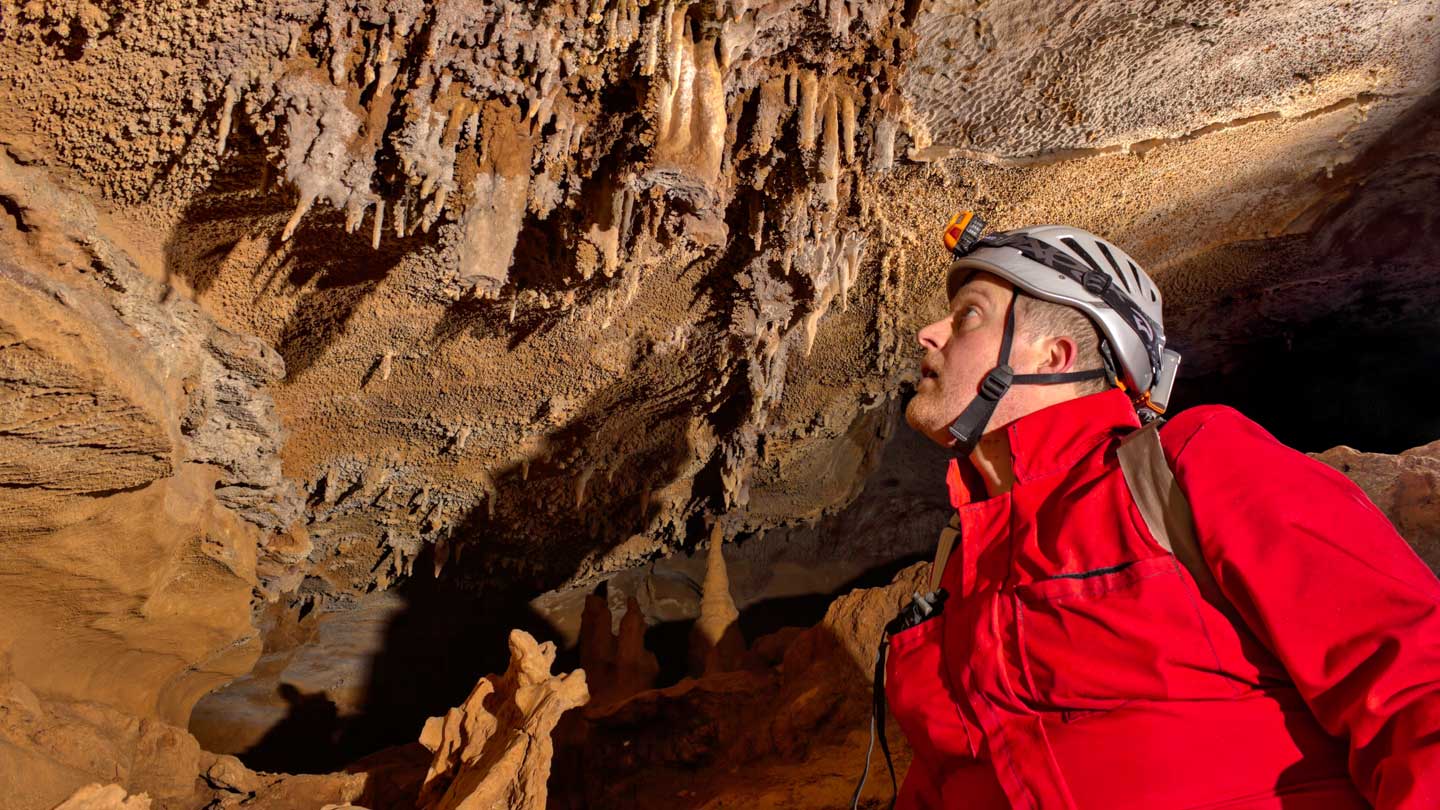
[(1050, 440)]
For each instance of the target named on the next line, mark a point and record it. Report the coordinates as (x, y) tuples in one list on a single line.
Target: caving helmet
[(1078, 269)]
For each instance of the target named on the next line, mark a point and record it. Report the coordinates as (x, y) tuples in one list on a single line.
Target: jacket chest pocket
[(1131, 631)]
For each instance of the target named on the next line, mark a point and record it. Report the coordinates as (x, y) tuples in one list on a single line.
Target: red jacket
[(1075, 664)]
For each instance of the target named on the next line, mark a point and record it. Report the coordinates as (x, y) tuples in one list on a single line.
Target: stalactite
[(809, 107), (829, 161), (769, 112), (847, 127), (227, 108), (581, 482), (301, 208)]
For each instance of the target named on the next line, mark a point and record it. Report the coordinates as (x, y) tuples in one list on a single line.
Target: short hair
[(1036, 317)]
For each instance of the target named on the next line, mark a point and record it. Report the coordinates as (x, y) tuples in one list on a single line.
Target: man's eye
[(969, 311)]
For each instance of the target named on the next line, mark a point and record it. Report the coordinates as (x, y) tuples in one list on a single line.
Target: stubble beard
[(924, 414)]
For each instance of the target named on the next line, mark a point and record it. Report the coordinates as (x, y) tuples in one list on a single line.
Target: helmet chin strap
[(969, 426)]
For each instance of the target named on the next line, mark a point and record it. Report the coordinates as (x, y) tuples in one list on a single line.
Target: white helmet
[(1075, 268)]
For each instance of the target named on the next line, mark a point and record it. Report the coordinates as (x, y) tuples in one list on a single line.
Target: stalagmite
[(635, 667), (715, 642), (461, 438), (107, 797), (596, 640)]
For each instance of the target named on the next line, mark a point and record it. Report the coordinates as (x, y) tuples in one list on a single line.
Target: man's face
[(960, 349)]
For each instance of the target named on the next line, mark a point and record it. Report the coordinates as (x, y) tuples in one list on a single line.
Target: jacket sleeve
[(1324, 580)]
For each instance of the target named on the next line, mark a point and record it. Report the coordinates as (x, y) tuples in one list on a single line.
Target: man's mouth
[(926, 373)]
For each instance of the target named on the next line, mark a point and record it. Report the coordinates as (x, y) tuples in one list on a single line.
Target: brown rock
[(106, 797), (635, 666), (828, 669), (715, 642), (1405, 486), (495, 750), (228, 773)]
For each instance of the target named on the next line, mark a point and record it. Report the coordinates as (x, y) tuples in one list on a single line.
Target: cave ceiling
[(531, 291)]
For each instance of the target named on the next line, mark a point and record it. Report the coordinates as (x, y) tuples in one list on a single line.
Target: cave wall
[(318, 303)]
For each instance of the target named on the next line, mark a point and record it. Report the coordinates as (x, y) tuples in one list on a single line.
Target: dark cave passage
[(1357, 378)]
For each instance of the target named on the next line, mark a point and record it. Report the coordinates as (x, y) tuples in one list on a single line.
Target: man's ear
[(1057, 355)]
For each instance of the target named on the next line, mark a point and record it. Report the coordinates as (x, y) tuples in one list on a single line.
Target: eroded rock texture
[(495, 750), (329, 327), (1406, 487)]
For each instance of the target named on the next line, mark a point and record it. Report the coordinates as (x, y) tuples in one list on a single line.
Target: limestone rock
[(597, 640), (494, 751), (1405, 486), (228, 773), (104, 797), (51, 749), (616, 667), (828, 669), (757, 718), (635, 666), (536, 289), (715, 642), (299, 792)]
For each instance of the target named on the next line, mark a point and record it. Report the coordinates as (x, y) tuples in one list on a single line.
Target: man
[(1072, 661)]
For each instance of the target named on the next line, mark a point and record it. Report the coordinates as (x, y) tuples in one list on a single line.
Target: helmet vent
[(1118, 272), (1070, 242), (1136, 273)]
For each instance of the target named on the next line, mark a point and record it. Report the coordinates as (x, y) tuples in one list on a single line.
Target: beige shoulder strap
[(948, 536), (1164, 508)]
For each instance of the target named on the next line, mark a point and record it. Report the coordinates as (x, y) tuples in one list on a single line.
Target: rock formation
[(1406, 487), (104, 797), (616, 666), (635, 666), (811, 702), (495, 750), (715, 642), (326, 325)]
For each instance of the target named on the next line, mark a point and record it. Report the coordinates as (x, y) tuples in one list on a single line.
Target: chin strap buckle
[(997, 382)]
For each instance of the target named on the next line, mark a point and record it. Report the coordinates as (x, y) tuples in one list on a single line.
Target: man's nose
[(933, 336)]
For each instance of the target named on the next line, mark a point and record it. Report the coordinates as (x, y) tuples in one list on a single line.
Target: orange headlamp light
[(962, 232)]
